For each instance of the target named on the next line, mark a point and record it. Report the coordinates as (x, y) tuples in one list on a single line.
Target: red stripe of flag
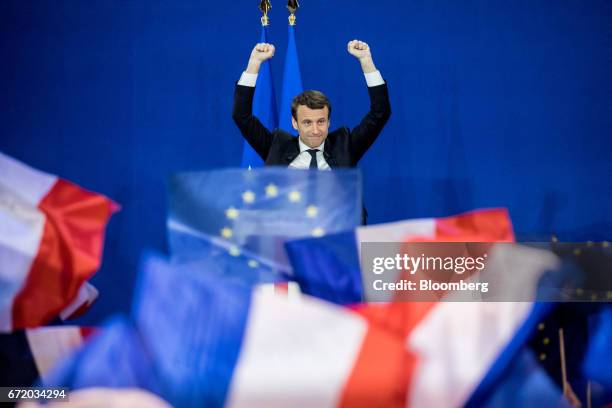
[(384, 368), (490, 225), (69, 253)]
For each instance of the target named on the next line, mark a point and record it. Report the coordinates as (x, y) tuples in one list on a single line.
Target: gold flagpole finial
[(292, 6), (265, 6)]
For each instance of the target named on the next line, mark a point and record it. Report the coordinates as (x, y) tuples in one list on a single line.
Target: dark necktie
[(313, 158)]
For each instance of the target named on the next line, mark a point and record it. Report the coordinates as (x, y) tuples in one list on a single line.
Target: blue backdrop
[(495, 103)]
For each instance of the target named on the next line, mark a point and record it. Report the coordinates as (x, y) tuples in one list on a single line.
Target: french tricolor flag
[(329, 267), (420, 354), (51, 240), (482, 225)]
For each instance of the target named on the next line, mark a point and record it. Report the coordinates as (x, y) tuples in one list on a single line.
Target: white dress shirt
[(302, 161)]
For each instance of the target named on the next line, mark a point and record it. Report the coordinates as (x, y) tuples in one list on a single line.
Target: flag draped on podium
[(292, 80), (264, 106)]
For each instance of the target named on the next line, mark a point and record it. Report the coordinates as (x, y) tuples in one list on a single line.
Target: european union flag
[(225, 261), (264, 106), (253, 212)]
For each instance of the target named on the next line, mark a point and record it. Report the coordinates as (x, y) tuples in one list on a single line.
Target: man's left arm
[(364, 134)]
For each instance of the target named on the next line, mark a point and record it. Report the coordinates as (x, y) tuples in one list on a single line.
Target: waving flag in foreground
[(196, 340), (51, 240), (329, 267), (256, 211), (460, 351)]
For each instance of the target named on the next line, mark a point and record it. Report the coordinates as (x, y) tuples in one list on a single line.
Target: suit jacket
[(343, 147)]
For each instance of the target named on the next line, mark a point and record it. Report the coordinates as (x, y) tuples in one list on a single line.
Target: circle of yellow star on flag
[(248, 197), (271, 190), (312, 211), (234, 251), (295, 196), (231, 213), (227, 232)]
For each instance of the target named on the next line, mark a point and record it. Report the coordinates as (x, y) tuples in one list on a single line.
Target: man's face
[(312, 125)]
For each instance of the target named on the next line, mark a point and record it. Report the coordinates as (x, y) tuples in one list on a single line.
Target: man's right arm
[(258, 136)]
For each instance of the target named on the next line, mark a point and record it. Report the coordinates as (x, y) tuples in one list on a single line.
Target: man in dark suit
[(316, 147)]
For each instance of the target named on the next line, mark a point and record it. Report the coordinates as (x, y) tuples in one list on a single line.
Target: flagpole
[(588, 394), (562, 358)]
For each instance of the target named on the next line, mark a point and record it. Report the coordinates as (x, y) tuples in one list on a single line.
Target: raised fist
[(359, 49), (262, 52)]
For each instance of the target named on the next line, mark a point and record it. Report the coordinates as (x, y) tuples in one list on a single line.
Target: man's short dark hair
[(311, 99)]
